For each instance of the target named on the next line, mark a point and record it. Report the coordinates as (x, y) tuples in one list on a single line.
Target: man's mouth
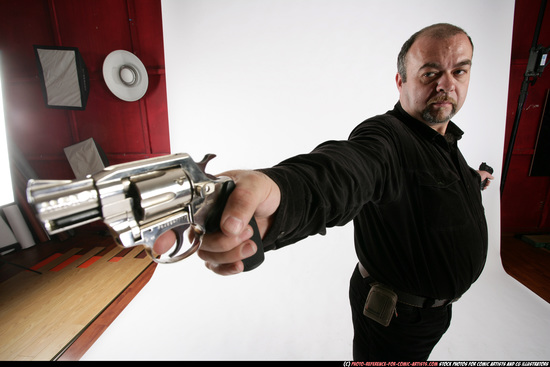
[(439, 109), (439, 102)]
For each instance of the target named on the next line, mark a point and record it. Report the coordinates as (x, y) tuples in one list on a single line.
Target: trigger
[(179, 231)]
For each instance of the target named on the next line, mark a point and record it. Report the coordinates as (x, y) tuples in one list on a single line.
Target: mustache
[(442, 99)]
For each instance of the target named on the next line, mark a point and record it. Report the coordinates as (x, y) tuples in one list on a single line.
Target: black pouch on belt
[(380, 305)]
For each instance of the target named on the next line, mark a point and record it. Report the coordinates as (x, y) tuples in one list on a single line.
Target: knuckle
[(218, 242)]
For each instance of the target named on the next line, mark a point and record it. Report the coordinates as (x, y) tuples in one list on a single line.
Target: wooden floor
[(526, 263), (75, 351), (77, 333)]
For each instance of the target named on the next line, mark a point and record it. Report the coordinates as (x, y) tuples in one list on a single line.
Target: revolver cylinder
[(161, 193)]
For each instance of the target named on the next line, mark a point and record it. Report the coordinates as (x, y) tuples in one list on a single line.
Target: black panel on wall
[(540, 166)]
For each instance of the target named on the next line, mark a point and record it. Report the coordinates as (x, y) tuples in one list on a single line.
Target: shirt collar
[(424, 129)]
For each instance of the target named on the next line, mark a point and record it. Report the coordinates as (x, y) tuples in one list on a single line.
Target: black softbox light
[(63, 76)]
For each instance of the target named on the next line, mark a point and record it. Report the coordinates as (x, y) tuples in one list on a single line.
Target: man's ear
[(398, 81)]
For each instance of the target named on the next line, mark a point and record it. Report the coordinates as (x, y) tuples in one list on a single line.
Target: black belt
[(410, 299)]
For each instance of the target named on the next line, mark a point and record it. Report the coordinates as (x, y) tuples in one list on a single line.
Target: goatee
[(438, 116)]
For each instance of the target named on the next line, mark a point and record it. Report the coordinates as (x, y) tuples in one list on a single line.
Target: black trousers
[(411, 335)]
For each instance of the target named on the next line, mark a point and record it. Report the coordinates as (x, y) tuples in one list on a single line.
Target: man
[(420, 230)]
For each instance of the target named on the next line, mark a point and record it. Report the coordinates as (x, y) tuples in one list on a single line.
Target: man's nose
[(446, 83)]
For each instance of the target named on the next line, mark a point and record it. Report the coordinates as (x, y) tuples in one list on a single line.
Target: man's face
[(438, 74)]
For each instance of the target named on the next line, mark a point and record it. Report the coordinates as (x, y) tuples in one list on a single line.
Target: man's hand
[(255, 195), (485, 176)]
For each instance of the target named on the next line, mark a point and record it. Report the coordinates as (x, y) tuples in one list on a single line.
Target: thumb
[(255, 194)]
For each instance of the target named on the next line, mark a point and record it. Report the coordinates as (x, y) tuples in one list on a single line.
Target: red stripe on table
[(89, 262), (46, 261), (69, 261), (120, 255)]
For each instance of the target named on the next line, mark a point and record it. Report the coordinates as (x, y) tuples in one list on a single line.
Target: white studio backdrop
[(257, 81)]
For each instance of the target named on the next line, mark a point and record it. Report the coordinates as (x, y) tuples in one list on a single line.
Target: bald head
[(437, 31)]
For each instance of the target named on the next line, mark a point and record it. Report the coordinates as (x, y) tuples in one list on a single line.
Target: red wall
[(125, 130), (525, 200)]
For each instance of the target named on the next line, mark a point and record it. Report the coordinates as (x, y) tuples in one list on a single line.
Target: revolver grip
[(212, 224)]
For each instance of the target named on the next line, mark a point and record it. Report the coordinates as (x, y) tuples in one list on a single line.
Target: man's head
[(434, 73)]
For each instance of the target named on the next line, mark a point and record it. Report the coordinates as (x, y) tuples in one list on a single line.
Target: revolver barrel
[(137, 201), (62, 205)]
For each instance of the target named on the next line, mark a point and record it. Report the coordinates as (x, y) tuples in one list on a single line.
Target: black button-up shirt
[(416, 204)]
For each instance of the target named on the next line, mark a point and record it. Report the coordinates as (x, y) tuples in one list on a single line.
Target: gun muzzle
[(62, 205)]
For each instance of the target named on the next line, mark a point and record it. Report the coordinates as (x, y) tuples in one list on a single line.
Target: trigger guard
[(179, 239), (172, 258)]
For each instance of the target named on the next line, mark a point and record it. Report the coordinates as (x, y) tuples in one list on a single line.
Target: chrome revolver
[(139, 201)]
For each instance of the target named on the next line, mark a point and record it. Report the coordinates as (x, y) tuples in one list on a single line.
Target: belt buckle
[(440, 302)]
